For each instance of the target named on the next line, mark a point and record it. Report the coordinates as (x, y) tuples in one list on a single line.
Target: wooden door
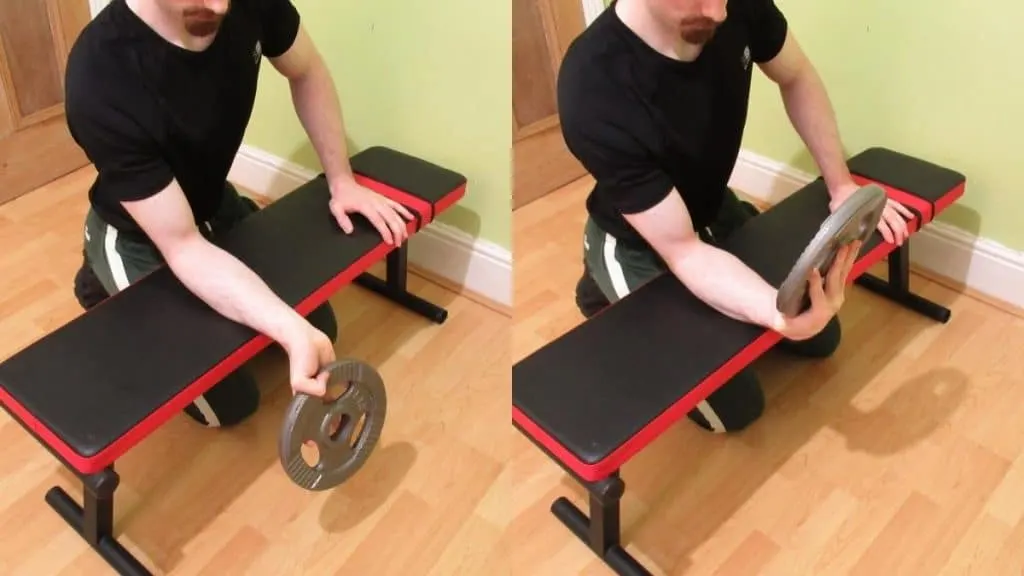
[(541, 32), (35, 145)]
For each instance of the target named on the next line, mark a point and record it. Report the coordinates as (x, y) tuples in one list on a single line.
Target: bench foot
[(897, 289), (394, 287), (94, 521), (600, 532)]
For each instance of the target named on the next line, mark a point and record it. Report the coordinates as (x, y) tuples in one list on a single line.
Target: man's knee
[(88, 289), (322, 318), (826, 342), (736, 405), (227, 403), (589, 298), (822, 345)]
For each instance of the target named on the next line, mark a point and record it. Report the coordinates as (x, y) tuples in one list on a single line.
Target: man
[(159, 95), (653, 100)]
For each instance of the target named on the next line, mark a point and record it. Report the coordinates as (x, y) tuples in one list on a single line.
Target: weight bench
[(596, 396), (99, 385)]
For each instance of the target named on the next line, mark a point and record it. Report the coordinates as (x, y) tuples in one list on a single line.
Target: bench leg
[(394, 286), (94, 521), (601, 532), (897, 288)]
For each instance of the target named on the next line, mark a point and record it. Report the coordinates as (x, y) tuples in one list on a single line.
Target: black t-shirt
[(642, 123), (146, 111)]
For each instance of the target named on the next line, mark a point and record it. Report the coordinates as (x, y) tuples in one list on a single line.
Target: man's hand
[(892, 226), (827, 297), (309, 350), (386, 215)]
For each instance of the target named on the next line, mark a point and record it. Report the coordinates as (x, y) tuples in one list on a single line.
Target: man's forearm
[(232, 289), (733, 288), (319, 110), (809, 110)]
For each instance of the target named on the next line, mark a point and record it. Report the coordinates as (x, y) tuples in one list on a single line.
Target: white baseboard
[(591, 10), (96, 5), (476, 265), (978, 263)]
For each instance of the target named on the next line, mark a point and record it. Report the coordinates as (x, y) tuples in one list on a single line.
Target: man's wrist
[(772, 318), (341, 182), (287, 327), (839, 179)]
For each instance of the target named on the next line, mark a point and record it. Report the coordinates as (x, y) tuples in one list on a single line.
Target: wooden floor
[(902, 455), (431, 501)]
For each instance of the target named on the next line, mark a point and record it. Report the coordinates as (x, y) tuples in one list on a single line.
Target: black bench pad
[(598, 394), (98, 385)]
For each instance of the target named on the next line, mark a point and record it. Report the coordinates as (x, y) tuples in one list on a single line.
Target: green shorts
[(119, 260)]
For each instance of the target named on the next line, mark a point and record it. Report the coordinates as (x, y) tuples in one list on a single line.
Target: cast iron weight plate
[(856, 219), (333, 425)]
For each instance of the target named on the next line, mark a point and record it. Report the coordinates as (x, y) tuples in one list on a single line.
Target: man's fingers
[(401, 210), (815, 288), (382, 227), (398, 226), (311, 386), (327, 355), (896, 224), (343, 220), (853, 255), (320, 383), (883, 229), (901, 209), (849, 262), (834, 277)]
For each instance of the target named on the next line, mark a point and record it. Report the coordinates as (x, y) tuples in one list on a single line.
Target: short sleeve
[(279, 20), (128, 160), (610, 141), (768, 28)]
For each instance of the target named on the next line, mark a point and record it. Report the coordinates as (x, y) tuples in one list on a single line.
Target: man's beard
[(698, 32), (201, 23)]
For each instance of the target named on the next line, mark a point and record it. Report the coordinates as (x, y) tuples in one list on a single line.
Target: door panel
[(35, 145), (541, 32)]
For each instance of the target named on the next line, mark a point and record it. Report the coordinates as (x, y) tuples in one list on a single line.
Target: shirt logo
[(745, 59), (257, 52)]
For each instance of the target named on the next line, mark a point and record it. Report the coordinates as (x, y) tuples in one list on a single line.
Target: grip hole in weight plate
[(338, 424), (333, 392)]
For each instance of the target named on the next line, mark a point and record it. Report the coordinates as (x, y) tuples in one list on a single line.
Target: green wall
[(429, 78), (935, 80), (921, 81)]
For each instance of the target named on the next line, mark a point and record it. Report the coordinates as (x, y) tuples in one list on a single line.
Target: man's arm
[(717, 277), (810, 111), (209, 272), (317, 105)]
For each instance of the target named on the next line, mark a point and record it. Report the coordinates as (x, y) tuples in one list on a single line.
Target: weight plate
[(331, 425), (856, 219)]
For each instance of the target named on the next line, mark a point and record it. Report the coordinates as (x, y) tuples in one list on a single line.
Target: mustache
[(202, 14), (698, 23)]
